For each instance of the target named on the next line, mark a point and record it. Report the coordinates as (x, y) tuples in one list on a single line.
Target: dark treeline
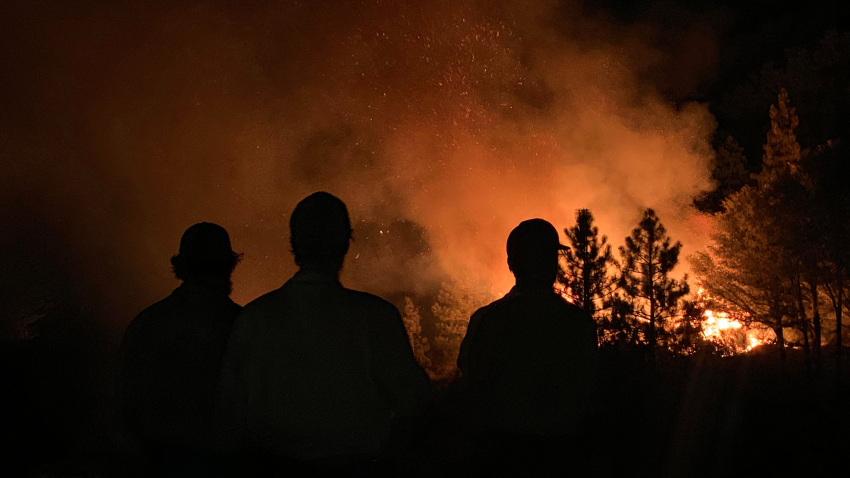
[(779, 254)]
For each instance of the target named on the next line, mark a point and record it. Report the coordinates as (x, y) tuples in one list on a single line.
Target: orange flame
[(721, 328)]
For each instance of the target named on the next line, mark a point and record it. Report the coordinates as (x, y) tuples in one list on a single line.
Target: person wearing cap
[(171, 357), (530, 356), (319, 378)]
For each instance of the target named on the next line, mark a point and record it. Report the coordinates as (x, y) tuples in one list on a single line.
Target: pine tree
[(648, 258), (419, 343), (789, 191), (781, 151), (455, 304), (584, 270), (756, 260), (785, 210), (617, 327), (728, 173), (832, 223), (730, 167), (747, 264)]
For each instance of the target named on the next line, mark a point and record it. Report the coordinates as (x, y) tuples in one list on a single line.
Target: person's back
[(316, 372), (318, 356), (530, 360), (172, 362), (532, 355), (172, 353)]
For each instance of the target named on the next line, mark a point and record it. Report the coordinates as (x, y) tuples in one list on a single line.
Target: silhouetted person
[(172, 354), (317, 376), (530, 358)]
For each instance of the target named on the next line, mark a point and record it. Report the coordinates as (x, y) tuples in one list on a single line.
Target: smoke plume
[(441, 124)]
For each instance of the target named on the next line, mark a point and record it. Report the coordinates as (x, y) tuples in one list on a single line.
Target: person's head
[(533, 248), (205, 256), (320, 232)]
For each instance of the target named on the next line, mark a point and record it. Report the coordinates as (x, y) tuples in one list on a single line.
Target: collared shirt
[(532, 356), (315, 370)]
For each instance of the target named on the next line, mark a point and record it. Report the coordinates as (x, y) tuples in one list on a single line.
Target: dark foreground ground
[(694, 416)]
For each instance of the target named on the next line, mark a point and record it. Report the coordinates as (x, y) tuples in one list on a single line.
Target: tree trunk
[(651, 337), (838, 351), (807, 354), (651, 293), (780, 342), (804, 327), (588, 296), (817, 325)]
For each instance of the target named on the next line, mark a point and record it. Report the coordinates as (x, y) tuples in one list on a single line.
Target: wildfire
[(716, 322), (722, 329)]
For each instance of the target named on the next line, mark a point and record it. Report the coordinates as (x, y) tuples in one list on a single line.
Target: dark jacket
[(532, 357), (315, 370), (171, 359)]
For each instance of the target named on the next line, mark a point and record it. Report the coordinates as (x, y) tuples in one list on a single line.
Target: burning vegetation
[(733, 335)]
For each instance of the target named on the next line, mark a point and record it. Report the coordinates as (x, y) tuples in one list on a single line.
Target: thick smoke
[(442, 125)]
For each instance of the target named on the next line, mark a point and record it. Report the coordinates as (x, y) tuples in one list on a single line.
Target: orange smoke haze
[(441, 125)]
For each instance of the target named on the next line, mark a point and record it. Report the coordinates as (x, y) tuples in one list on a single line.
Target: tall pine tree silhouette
[(648, 258), (584, 270)]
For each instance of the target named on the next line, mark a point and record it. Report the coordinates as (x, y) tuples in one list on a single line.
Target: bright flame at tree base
[(732, 334)]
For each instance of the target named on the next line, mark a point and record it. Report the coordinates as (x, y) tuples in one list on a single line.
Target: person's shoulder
[(370, 301), (575, 311), (255, 312), (231, 311), (153, 312), (233, 306), (264, 303), (149, 320), (497, 307), (575, 314), (571, 308)]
